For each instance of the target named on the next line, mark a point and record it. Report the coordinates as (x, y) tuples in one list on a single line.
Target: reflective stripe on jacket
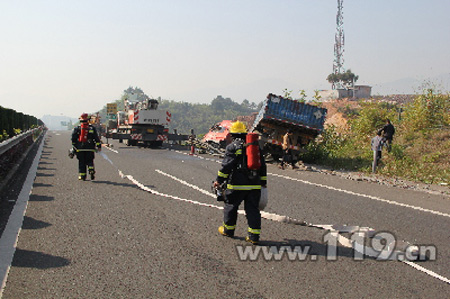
[(236, 174)]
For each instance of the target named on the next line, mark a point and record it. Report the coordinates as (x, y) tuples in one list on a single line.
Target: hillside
[(421, 142)]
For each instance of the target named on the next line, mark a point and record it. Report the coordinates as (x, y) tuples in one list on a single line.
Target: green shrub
[(428, 110), (398, 151), (370, 118)]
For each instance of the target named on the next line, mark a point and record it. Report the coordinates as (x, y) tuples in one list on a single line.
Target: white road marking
[(186, 183), (286, 219), (364, 195), (113, 150), (368, 251), (391, 202), (431, 273)]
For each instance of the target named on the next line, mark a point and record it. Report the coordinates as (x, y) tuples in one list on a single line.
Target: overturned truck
[(279, 114), (276, 116)]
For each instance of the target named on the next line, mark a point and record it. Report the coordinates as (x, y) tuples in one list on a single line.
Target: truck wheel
[(128, 142)]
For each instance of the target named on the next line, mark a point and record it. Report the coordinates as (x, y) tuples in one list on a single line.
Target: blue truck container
[(279, 114), (292, 113)]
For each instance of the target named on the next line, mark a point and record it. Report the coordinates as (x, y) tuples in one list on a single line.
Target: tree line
[(196, 116), (200, 117)]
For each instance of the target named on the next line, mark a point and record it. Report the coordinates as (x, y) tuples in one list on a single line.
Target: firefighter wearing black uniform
[(85, 150), (242, 185)]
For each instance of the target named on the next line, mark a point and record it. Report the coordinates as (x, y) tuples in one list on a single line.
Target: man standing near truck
[(287, 152)]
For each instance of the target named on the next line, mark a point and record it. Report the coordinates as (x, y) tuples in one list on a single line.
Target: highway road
[(146, 227)]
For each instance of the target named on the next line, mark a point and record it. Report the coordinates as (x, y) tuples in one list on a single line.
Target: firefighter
[(243, 185), (85, 140)]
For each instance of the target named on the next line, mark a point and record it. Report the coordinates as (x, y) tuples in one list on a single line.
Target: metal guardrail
[(8, 144), (13, 151)]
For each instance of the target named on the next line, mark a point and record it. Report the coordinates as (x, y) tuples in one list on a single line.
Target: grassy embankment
[(421, 147)]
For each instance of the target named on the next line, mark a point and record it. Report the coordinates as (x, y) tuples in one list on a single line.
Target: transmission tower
[(338, 64)]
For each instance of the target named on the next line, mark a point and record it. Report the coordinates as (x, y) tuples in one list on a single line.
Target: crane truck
[(141, 123)]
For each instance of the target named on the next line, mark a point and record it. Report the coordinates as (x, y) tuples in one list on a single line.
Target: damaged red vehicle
[(219, 134)]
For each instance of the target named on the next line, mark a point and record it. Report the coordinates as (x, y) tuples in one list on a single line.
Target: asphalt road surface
[(112, 238)]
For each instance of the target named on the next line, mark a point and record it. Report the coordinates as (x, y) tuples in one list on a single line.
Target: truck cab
[(219, 134)]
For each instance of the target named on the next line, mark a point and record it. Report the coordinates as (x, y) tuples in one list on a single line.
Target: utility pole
[(338, 64)]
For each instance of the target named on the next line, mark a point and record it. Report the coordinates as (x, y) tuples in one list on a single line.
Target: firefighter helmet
[(84, 117), (238, 127)]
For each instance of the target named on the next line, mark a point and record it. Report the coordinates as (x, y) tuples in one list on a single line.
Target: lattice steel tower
[(338, 64)]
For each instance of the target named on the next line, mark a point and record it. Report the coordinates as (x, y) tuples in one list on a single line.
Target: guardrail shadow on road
[(39, 260), (44, 168), (46, 158), (44, 174), (31, 223), (42, 185), (120, 184), (44, 162), (34, 197)]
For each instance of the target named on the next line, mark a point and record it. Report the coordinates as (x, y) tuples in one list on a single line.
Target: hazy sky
[(65, 57)]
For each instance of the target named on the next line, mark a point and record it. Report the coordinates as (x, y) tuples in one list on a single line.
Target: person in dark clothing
[(243, 185), (388, 133), (85, 140)]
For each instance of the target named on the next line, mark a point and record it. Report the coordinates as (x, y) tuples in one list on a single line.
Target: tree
[(138, 92), (346, 79), (287, 93)]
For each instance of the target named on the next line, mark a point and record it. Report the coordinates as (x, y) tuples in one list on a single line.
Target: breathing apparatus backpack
[(83, 137), (252, 153)]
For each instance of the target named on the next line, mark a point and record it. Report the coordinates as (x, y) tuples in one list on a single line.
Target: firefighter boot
[(227, 232), (253, 240), (253, 236), (82, 177), (92, 173)]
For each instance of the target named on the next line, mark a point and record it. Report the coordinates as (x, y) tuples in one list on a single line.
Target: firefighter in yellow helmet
[(242, 185)]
